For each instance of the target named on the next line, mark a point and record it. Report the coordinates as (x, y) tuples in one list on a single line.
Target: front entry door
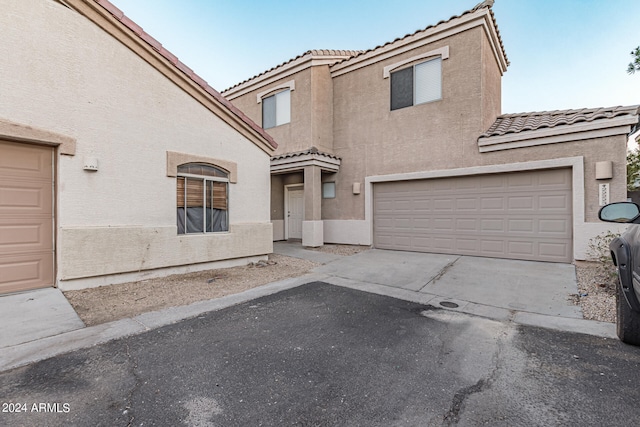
[(295, 213)]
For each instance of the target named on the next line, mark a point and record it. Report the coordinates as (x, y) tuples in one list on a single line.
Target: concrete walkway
[(42, 324)]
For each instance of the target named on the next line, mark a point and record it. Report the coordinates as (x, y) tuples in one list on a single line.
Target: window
[(276, 109), (202, 199), (328, 190), (417, 85)]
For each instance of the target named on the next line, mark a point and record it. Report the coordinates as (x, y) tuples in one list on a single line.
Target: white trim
[(291, 85), (479, 18), (287, 189), (575, 163), (328, 164), (443, 52), (564, 133)]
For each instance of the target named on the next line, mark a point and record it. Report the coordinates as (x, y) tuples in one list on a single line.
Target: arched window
[(203, 199)]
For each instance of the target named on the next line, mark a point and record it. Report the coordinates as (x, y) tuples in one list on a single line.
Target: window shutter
[(428, 81), (402, 88), (269, 112)]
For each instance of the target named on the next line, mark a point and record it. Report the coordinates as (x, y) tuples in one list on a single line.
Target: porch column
[(312, 227)]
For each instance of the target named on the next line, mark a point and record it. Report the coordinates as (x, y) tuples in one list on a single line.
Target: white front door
[(295, 213)]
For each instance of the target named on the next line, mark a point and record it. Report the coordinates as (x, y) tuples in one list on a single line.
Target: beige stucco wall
[(373, 140), (62, 73), (311, 111)]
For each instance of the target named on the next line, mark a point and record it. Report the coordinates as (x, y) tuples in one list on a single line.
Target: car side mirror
[(619, 212)]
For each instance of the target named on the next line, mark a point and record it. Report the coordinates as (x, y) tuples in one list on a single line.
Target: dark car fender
[(621, 255)]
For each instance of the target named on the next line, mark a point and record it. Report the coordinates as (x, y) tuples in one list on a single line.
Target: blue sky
[(563, 53)]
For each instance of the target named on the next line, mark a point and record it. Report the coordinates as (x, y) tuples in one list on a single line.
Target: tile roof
[(157, 46), (516, 123), (312, 150), (485, 4), (356, 53), (312, 52)]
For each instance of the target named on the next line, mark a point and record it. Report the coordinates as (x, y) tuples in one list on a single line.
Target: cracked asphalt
[(322, 355)]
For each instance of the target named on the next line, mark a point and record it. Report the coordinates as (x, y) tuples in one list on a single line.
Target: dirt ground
[(113, 302), (596, 294)]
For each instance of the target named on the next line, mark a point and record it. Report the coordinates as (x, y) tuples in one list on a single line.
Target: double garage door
[(26, 217), (521, 215)]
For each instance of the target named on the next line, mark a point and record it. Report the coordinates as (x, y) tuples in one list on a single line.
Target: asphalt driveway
[(320, 355)]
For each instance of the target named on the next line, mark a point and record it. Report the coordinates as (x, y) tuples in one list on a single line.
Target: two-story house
[(404, 146)]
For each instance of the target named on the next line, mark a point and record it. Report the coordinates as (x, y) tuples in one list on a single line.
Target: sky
[(563, 54)]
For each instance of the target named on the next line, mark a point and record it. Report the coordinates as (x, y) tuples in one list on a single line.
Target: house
[(404, 146), (117, 161)]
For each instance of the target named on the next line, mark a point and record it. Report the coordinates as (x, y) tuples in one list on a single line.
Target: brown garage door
[(522, 215), (26, 217)]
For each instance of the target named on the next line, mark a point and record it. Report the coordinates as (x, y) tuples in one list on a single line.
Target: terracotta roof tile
[(136, 29), (312, 150), (312, 52), (516, 123), (485, 4), (356, 53)]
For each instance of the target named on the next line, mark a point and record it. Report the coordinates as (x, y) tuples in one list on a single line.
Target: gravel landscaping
[(596, 291)]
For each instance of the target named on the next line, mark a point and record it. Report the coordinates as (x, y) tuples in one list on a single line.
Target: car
[(625, 253)]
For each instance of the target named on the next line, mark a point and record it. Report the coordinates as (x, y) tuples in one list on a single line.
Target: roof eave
[(566, 133)]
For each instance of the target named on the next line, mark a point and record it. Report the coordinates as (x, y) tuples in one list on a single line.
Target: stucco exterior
[(64, 74), (341, 106)]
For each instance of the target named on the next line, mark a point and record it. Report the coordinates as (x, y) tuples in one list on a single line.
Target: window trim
[(175, 159), (204, 179), (442, 52), (291, 85)]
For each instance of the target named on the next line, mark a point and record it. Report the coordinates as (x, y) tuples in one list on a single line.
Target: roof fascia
[(567, 133), (289, 164), (306, 61), (171, 70), (480, 18)]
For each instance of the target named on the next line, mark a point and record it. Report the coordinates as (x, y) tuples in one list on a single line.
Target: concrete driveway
[(524, 292), (535, 287)]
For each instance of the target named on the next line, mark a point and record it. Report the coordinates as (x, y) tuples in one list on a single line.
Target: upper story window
[(418, 84), (276, 109), (203, 199)]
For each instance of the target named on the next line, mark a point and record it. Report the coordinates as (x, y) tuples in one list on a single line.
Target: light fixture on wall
[(356, 188), (604, 170), (90, 164)]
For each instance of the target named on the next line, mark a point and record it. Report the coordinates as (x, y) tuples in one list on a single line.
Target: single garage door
[(26, 217), (521, 215)]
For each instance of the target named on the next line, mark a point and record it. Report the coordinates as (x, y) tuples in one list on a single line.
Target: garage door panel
[(25, 161), (27, 271), (553, 250), (522, 215), (467, 204), (521, 203), (26, 217), (467, 224), (556, 227), (492, 203), (521, 248), (25, 197), (492, 247), (554, 178), (22, 235), (467, 245), (554, 202)]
